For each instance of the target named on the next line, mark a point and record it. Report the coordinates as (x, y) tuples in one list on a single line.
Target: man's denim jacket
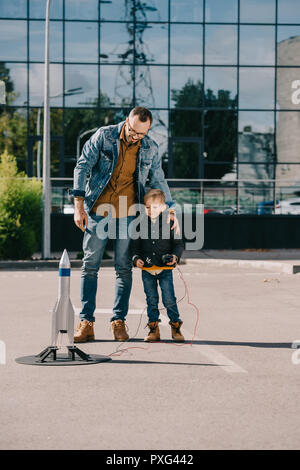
[(98, 160)]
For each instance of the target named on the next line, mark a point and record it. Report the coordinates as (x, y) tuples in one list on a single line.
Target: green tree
[(20, 211)]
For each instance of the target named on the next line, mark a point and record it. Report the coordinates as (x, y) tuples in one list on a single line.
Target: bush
[(20, 211)]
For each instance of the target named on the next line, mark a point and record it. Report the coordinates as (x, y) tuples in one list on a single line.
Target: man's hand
[(80, 216), (139, 263), (174, 260), (172, 216)]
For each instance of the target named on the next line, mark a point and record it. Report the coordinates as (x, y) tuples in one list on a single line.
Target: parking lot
[(234, 387)]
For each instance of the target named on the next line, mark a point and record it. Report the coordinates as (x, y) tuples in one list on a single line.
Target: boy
[(156, 255)]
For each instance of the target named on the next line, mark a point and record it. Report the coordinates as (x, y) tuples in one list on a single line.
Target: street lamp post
[(46, 248)]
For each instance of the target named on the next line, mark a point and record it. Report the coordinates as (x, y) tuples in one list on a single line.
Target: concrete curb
[(291, 267), (44, 264), (288, 267)]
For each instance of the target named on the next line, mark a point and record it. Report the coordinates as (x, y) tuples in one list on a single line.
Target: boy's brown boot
[(84, 332), (153, 334), (119, 330), (176, 333)]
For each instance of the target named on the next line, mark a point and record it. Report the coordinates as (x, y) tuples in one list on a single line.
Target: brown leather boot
[(154, 334), (84, 332), (119, 330), (176, 333)]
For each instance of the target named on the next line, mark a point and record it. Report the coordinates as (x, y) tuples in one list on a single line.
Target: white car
[(288, 206), (68, 209)]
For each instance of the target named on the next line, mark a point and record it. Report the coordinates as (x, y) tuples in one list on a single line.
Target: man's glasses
[(131, 131)]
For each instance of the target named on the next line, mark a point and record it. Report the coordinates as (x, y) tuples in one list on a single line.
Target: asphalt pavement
[(234, 384)]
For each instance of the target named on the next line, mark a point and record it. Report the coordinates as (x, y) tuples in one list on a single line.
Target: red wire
[(190, 343)]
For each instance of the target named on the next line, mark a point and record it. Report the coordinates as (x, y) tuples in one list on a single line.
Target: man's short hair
[(143, 113), (155, 194)]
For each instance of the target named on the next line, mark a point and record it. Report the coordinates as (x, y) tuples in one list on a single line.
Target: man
[(118, 160)]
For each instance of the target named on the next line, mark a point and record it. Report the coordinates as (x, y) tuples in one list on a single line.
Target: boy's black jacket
[(160, 240)]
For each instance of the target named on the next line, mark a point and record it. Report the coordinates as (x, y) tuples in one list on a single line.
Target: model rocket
[(63, 312)]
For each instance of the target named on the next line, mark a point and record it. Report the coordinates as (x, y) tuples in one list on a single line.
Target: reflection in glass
[(185, 160), (121, 10), (257, 11), (13, 9), (116, 84), (56, 120), (256, 88), (256, 197), (180, 12), (76, 121), (15, 78), (35, 145), (159, 133), (185, 123), (255, 171), (221, 86), (257, 45), (36, 84), (256, 137), (37, 38), (288, 88), (220, 142), (116, 42), (81, 9), (151, 43), (13, 39), (37, 9), (288, 45), (13, 135), (116, 10), (86, 78), (220, 11), (81, 42), (151, 86), (154, 10), (186, 86), (220, 44), (288, 144), (256, 122), (288, 11), (186, 44)]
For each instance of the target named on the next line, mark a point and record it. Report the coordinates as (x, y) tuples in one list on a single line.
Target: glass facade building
[(221, 78)]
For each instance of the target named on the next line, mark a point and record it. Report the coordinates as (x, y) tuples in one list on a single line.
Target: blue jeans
[(94, 244), (165, 279)]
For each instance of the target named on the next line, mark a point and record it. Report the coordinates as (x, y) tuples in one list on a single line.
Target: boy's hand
[(174, 260), (172, 216), (139, 263)]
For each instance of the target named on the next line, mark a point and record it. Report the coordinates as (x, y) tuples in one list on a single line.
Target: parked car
[(266, 207), (288, 206), (68, 209)]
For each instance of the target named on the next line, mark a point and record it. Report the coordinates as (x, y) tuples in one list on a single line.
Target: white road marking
[(131, 311), (212, 354)]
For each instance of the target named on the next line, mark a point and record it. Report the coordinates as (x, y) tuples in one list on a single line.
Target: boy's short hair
[(155, 194)]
